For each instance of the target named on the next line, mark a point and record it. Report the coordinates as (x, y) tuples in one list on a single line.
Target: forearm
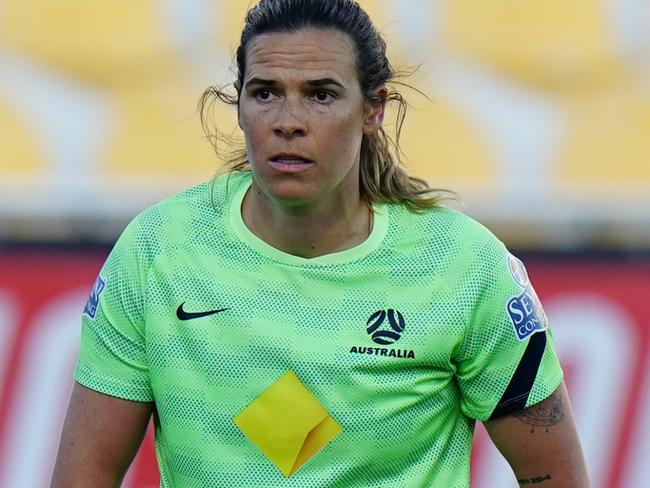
[(541, 444)]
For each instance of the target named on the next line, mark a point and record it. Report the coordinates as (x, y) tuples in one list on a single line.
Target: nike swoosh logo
[(184, 315)]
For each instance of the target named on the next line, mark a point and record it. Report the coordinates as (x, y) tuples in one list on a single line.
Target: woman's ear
[(374, 117)]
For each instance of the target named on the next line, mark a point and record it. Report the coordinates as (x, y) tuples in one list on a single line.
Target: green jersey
[(362, 368)]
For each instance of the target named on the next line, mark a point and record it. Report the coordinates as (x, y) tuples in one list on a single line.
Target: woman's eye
[(264, 95), (323, 96)]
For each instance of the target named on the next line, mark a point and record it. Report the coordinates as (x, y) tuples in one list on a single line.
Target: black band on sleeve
[(516, 394)]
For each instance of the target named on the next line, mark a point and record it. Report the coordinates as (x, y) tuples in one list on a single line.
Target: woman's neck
[(308, 230)]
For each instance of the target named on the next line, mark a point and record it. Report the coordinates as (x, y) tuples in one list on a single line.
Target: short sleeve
[(506, 361), (112, 357)]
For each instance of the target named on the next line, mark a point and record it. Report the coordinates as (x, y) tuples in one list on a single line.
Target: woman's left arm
[(541, 444)]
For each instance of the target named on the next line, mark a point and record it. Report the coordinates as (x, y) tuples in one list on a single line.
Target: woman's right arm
[(101, 436)]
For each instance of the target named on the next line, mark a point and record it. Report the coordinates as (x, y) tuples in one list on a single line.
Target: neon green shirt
[(403, 340)]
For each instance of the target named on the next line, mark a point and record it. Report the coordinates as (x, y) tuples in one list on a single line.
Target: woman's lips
[(287, 165)]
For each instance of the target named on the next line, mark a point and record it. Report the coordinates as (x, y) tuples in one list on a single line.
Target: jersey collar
[(379, 229)]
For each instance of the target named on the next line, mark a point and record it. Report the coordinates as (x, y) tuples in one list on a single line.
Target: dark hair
[(382, 178)]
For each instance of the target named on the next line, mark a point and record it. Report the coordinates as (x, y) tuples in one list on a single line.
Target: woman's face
[(303, 115)]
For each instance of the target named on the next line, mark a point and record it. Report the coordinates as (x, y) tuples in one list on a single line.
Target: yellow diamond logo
[(287, 424)]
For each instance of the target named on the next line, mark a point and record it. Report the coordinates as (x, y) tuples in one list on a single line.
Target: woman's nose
[(290, 121)]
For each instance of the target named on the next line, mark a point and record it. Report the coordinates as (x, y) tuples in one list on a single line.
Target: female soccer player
[(314, 318)]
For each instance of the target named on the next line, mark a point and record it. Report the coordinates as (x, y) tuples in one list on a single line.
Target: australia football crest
[(386, 334), (385, 327), (90, 309)]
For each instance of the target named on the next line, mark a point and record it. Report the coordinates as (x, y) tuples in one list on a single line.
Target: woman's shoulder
[(206, 200), (443, 238), (447, 244), (177, 219), (440, 223)]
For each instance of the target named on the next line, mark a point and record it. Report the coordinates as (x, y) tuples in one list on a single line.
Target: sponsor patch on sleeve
[(93, 300), (525, 310)]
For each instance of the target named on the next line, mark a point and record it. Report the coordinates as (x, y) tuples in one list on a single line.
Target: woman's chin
[(290, 193)]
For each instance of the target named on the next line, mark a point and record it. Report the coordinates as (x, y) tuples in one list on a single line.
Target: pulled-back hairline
[(310, 26)]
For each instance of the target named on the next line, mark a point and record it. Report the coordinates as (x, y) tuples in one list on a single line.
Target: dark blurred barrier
[(599, 308)]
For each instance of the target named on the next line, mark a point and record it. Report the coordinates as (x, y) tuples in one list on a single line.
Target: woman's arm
[(100, 438), (541, 444)]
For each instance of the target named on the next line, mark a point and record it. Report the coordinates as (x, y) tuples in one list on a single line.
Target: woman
[(319, 319)]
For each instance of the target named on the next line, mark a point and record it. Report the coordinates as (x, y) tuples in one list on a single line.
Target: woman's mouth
[(290, 163)]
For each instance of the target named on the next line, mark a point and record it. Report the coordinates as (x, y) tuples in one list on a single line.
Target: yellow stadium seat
[(443, 147), (608, 144), (21, 152), (158, 133), (228, 21), (554, 44), (97, 41)]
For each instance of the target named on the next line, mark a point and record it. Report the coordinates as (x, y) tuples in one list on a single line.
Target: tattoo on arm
[(545, 414), (534, 481)]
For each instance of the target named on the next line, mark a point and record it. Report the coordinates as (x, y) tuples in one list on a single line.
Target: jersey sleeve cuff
[(137, 391)]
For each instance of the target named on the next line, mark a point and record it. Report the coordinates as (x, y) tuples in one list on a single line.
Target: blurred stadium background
[(539, 118)]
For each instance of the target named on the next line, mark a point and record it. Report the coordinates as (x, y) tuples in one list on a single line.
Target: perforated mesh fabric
[(407, 408)]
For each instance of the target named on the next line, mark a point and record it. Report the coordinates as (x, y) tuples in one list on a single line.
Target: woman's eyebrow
[(324, 82), (254, 82), (260, 82)]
